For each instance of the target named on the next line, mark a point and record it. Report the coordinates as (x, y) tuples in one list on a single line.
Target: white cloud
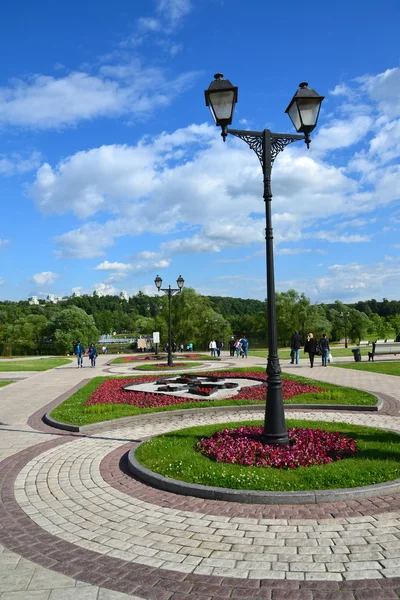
[(342, 239), (292, 251), (350, 282), (43, 102), (4, 242), (207, 196), (174, 10), (2, 281), (341, 134), (113, 266), (384, 90), (45, 278), (16, 164), (105, 289)]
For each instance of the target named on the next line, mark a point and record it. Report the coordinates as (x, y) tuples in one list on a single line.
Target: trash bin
[(357, 354)]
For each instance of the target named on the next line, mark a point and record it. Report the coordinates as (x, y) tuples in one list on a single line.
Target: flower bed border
[(175, 486)]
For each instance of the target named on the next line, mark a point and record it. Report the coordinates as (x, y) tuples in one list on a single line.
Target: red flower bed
[(162, 366), (307, 447), (131, 358), (112, 391)]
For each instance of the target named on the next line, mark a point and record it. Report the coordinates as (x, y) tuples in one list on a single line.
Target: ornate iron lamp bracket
[(255, 140)]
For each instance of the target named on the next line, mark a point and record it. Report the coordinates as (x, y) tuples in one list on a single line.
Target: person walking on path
[(80, 352), (295, 345), (324, 345), (232, 346), (219, 346), (245, 345), (311, 347), (238, 347), (92, 355), (213, 347)]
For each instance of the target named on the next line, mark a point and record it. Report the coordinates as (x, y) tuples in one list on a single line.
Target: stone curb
[(252, 496)]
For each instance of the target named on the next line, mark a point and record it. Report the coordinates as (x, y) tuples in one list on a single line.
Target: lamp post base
[(275, 438)]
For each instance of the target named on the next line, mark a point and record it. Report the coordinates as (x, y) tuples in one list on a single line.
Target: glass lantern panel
[(294, 115), (309, 109), (222, 105)]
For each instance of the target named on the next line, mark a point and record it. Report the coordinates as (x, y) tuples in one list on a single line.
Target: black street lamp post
[(345, 316), (170, 292), (156, 310), (88, 324), (207, 333), (303, 110)]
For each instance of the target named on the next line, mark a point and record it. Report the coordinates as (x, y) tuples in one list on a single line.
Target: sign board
[(156, 337)]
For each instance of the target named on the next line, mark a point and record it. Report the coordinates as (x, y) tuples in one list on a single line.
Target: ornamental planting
[(112, 391), (307, 447)]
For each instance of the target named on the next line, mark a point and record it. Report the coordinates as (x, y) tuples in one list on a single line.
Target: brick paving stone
[(281, 594), (376, 595)]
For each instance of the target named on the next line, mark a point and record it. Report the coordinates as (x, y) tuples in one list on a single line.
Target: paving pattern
[(75, 525)]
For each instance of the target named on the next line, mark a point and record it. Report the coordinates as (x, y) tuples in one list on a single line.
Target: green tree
[(69, 325)]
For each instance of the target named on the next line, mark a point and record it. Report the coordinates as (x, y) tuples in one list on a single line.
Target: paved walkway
[(73, 524)]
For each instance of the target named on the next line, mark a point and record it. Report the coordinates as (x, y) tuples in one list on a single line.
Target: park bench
[(380, 347), (365, 343)]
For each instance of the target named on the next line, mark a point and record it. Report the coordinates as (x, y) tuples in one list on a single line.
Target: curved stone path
[(68, 506)]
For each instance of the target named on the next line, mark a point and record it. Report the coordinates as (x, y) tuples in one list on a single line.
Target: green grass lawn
[(40, 364), (74, 411), (174, 455), (155, 367), (386, 368), (163, 357), (4, 383)]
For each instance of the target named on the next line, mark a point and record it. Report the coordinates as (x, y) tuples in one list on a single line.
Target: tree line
[(54, 328)]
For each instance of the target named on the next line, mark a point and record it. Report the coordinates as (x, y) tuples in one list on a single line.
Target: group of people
[(80, 352), (239, 347), (180, 348), (312, 347), (215, 347)]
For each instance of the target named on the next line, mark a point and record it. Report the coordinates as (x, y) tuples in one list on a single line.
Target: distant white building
[(124, 295), (51, 298), (33, 300), (76, 294)]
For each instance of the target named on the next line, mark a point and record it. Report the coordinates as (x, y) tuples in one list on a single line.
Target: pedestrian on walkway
[(324, 345), (311, 347), (245, 345), (295, 345), (238, 347), (219, 345), (232, 346), (212, 347), (80, 352), (92, 355)]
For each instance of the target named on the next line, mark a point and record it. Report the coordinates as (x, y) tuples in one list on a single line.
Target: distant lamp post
[(169, 291), (88, 324), (303, 110), (155, 312), (345, 315)]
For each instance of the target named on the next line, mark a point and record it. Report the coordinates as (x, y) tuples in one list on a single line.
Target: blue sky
[(112, 171)]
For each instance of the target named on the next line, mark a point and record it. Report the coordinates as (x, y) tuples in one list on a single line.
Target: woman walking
[(311, 347), (238, 347), (324, 344), (92, 355)]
